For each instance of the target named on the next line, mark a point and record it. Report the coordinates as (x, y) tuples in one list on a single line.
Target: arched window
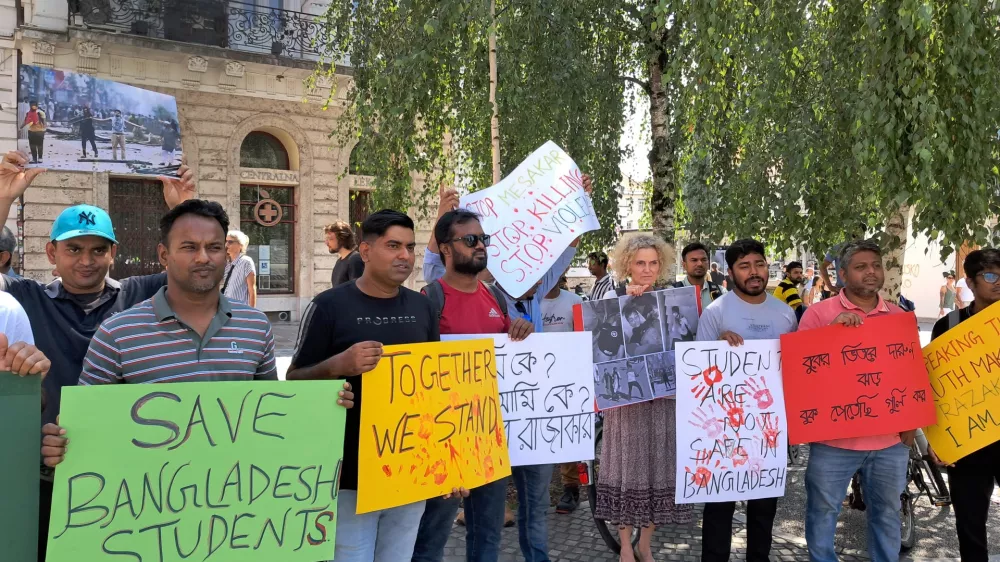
[(360, 162), (263, 150)]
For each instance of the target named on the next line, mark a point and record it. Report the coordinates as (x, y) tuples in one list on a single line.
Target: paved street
[(574, 537)]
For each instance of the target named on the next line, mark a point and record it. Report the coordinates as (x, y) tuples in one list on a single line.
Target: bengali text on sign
[(731, 423), (533, 215), (228, 471), (546, 397), (430, 422), (964, 368), (843, 382)]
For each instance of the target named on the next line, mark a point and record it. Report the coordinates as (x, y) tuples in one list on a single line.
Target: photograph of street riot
[(71, 121), (661, 373), (622, 382), (634, 339), (679, 311)]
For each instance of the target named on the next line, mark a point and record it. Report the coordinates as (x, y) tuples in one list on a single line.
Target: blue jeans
[(883, 477), (484, 510), (532, 483), (380, 536)]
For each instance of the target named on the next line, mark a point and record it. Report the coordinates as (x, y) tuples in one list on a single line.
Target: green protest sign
[(20, 441), (227, 471)]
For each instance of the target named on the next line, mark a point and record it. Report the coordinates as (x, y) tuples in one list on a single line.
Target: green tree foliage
[(803, 118), (419, 100)]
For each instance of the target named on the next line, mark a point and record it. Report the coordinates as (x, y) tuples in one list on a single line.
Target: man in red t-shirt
[(469, 308)]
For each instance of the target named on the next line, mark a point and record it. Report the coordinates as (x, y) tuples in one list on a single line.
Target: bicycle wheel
[(608, 532), (908, 532), (940, 493)]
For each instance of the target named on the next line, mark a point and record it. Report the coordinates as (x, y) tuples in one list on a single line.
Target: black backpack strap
[(677, 284), (229, 274), (500, 297), (435, 293), (620, 290)]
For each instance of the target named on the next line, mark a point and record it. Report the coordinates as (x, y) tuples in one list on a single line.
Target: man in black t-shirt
[(341, 337), (340, 240), (971, 478)]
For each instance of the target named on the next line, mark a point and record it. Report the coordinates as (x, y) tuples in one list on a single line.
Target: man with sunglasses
[(532, 482), (971, 478), (466, 305)]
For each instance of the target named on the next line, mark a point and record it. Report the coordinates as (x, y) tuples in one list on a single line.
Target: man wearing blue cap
[(67, 311)]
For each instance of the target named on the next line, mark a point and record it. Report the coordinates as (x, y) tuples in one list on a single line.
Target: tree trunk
[(661, 156), (894, 252), (495, 119)]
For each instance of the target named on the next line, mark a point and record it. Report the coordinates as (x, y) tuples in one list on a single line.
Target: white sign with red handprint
[(732, 437), (533, 215)]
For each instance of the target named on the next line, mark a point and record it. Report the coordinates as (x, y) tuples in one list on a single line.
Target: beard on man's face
[(470, 265), (760, 285)]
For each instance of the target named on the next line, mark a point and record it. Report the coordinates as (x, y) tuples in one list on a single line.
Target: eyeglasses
[(990, 277), (228, 242), (471, 240)]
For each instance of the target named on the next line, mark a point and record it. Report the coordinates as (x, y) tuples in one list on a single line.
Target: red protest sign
[(845, 382)]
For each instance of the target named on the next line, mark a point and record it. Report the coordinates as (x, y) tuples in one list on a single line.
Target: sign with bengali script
[(732, 438), (633, 343), (430, 422), (964, 367), (231, 471), (843, 382), (20, 418), (533, 215), (546, 396)]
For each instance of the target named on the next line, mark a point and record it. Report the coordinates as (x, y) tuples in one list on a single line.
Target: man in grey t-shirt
[(747, 312)]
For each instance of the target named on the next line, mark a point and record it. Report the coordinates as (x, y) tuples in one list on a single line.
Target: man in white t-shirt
[(747, 312), (557, 316), (963, 294), (18, 353)]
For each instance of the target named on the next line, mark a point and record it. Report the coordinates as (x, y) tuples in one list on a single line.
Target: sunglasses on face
[(990, 277), (471, 240)]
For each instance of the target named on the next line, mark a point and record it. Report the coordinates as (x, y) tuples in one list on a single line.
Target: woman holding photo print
[(636, 484)]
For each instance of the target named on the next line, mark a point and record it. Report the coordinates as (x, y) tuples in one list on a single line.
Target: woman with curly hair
[(638, 455)]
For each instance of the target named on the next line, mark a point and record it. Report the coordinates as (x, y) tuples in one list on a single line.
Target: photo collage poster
[(634, 340)]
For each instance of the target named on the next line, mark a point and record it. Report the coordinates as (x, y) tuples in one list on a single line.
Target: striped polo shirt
[(148, 343)]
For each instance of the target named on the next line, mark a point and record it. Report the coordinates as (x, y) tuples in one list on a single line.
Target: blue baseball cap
[(83, 220)]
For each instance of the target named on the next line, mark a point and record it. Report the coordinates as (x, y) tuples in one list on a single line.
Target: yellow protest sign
[(964, 368), (430, 422)]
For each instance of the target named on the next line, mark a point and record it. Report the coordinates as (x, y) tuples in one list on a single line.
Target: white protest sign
[(533, 215), (546, 396), (732, 435)]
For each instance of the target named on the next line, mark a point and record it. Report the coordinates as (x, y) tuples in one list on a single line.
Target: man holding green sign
[(212, 469)]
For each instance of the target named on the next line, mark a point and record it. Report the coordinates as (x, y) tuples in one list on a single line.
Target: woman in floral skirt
[(638, 456)]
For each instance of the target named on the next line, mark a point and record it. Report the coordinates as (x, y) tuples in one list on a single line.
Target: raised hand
[(14, 178), (448, 199), (180, 189)]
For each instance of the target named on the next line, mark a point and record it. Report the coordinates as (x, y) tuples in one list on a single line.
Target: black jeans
[(36, 140), (44, 510), (717, 530), (93, 143), (971, 481), (637, 387)]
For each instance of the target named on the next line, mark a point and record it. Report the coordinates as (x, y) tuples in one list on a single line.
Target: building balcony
[(251, 28)]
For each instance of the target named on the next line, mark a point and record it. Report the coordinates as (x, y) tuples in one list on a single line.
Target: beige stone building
[(251, 129)]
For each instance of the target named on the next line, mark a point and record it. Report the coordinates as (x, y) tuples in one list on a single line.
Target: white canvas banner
[(732, 435), (546, 396), (532, 216)]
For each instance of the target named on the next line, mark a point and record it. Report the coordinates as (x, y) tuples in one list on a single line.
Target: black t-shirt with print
[(341, 317)]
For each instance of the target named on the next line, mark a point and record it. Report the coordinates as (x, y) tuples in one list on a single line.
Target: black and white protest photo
[(661, 369), (78, 122), (622, 382), (679, 310), (603, 318), (642, 327)]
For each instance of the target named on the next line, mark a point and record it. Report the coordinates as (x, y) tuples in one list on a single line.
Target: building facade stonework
[(237, 107)]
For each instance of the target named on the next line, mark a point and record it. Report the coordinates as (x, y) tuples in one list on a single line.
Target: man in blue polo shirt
[(67, 311)]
